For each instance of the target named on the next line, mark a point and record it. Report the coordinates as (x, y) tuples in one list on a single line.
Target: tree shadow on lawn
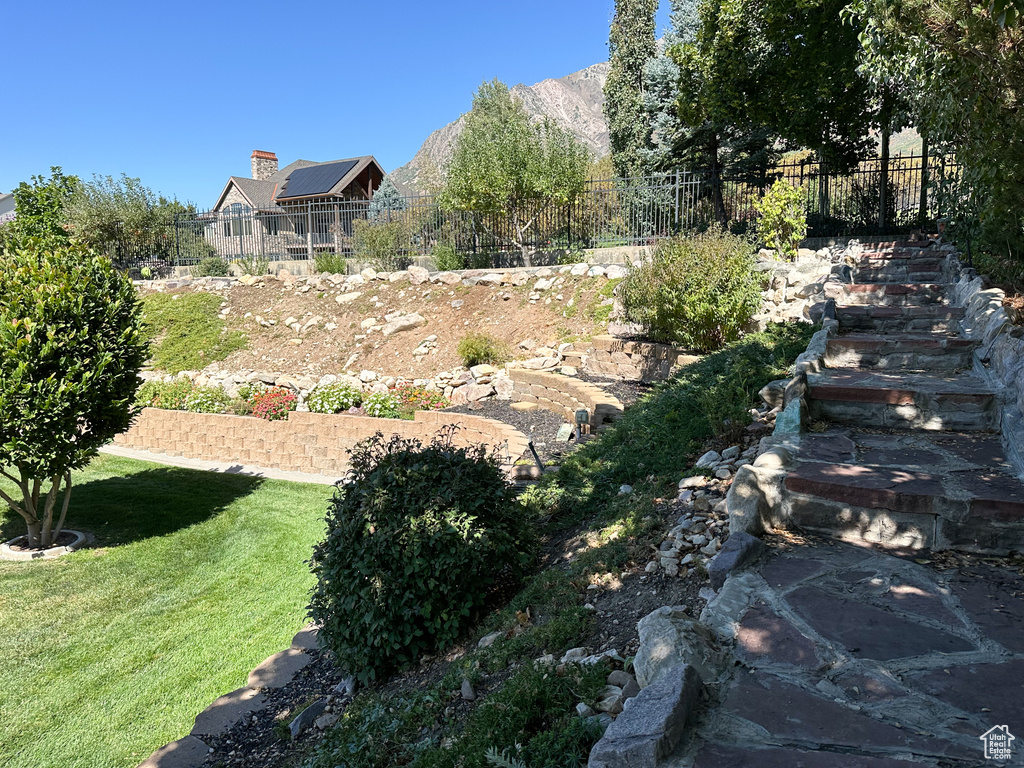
[(154, 502)]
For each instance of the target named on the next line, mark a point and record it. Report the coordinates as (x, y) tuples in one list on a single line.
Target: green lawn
[(111, 652)]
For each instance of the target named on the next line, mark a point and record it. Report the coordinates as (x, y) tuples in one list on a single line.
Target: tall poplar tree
[(631, 45)]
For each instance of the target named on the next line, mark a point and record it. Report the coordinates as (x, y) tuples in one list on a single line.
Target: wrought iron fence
[(610, 212)]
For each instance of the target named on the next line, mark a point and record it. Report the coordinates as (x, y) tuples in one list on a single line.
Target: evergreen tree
[(386, 199), (631, 46)]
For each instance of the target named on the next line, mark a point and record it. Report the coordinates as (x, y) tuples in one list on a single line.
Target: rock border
[(9, 555), (276, 671)]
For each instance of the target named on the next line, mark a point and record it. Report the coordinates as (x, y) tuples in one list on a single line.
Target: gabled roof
[(322, 180)]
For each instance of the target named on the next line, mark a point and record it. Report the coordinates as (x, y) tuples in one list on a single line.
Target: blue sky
[(180, 94)]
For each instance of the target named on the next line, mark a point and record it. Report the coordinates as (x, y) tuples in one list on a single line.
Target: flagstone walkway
[(848, 658)]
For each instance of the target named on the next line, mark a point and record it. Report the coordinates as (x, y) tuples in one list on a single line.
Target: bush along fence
[(608, 213)]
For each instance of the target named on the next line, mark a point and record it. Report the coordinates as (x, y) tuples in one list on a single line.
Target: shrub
[(414, 542), (698, 292), (382, 405), (207, 400), (412, 398), (334, 398), (330, 264), (273, 403), (381, 243), (170, 395), (446, 258), (783, 222), (253, 265), (477, 348), (71, 346), (211, 266)]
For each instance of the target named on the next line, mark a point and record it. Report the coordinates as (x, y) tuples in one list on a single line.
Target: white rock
[(616, 271), (625, 489), (404, 323), (731, 452), (708, 460), (367, 376), (345, 298)]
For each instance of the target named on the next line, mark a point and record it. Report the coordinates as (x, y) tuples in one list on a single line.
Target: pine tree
[(631, 46), (387, 199)]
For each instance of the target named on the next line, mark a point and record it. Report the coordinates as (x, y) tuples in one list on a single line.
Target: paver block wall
[(565, 395), (631, 360), (305, 442)]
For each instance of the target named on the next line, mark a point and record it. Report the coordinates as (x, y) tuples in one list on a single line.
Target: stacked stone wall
[(305, 442), (564, 395)]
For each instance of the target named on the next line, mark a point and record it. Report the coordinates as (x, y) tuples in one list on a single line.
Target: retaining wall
[(565, 395), (305, 442), (631, 360)]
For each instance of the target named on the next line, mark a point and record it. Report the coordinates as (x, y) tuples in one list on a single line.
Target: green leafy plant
[(211, 266), (334, 398), (146, 273), (273, 403), (169, 395), (783, 222), (41, 211), (71, 346), (414, 541), (383, 405), (253, 265), (330, 264), (381, 243), (698, 292), (477, 348), (446, 258), (207, 400)]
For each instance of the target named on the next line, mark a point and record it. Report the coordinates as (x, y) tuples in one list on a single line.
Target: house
[(291, 212), (6, 207)]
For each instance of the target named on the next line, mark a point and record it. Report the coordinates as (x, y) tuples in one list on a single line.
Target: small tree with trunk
[(505, 165), (71, 346)]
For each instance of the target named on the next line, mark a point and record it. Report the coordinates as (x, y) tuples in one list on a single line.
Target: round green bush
[(697, 292), (207, 400), (415, 540), (383, 405), (211, 266), (170, 395), (477, 348), (334, 398)]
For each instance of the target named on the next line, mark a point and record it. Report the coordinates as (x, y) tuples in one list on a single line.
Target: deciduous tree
[(505, 165), (71, 346)]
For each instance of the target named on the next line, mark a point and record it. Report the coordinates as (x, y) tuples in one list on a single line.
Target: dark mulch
[(263, 740), (539, 425), (628, 392)]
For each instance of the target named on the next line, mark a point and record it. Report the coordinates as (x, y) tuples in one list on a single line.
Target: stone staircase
[(908, 452)]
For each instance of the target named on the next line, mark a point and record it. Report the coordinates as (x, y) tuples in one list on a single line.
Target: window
[(271, 225), (238, 220)]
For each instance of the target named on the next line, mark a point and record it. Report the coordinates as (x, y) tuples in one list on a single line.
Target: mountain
[(575, 101)]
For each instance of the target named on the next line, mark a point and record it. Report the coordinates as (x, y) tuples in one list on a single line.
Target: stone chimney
[(264, 164)]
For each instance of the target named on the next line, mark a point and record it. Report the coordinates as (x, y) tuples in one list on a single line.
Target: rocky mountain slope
[(575, 101)]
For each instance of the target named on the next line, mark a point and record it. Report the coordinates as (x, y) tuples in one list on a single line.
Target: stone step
[(913, 490), (898, 273), (914, 400), (886, 294), (899, 319), (923, 352)]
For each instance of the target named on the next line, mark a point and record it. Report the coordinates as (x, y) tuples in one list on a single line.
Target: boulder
[(418, 275), (669, 638), (474, 392), (651, 728), (404, 323), (540, 363), (740, 549), (345, 298)]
